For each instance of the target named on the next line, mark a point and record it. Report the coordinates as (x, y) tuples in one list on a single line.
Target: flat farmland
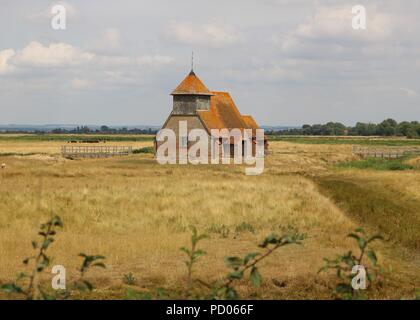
[(137, 214)]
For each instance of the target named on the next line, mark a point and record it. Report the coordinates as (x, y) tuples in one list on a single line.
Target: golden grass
[(52, 148), (137, 212)]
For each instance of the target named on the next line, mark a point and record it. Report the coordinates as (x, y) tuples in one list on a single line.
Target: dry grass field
[(137, 213)]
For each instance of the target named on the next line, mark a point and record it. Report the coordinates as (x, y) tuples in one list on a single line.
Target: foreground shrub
[(346, 265), (28, 284), (240, 267)]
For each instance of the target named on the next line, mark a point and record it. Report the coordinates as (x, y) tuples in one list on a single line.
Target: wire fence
[(94, 151), (385, 152)]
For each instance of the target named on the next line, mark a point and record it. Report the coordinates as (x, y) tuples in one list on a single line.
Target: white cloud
[(109, 41), (409, 92), (46, 13), (154, 60), (5, 56), (59, 55), (335, 22), (62, 65), (212, 35), (54, 55), (78, 83), (328, 34)]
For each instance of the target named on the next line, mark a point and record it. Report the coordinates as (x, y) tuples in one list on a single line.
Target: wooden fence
[(385, 152), (94, 151)]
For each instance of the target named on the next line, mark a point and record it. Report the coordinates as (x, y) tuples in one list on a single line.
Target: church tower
[(191, 96)]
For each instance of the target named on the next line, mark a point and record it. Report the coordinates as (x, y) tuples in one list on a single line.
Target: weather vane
[(192, 60)]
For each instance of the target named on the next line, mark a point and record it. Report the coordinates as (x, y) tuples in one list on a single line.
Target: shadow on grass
[(375, 205), (378, 164)]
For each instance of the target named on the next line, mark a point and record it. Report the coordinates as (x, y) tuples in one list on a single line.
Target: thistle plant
[(39, 261), (239, 267), (193, 254), (88, 262), (28, 284), (129, 279), (343, 265)]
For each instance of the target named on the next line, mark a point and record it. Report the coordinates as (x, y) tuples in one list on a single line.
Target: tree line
[(104, 130), (388, 127)]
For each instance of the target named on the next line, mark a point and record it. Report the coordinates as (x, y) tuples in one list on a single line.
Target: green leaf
[(375, 237), (21, 275), (255, 277), (11, 288), (202, 237), (353, 235), (185, 250), (198, 253), (372, 256), (45, 262), (235, 275), (272, 239), (88, 285), (343, 288), (362, 243), (46, 243), (349, 259), (250, 256), (371, 276), (233, 262), (360, 230), (98, 257), (99, 264), (231, 294), (56, 221)]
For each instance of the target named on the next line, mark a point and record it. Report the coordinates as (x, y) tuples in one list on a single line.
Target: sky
[(285, 62)]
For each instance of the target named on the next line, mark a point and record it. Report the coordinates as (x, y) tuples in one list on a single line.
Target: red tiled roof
[(191, 85), (250, 122), (223, 113)]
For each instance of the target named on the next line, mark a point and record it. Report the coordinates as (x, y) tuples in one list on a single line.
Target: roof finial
[(192, 61)]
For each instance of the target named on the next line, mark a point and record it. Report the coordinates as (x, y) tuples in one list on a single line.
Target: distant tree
[(412, 133), (387, 127), (403, 128), (338, 129)]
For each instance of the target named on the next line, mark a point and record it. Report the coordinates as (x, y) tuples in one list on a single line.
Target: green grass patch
[(344, 140), (11, 154), (145, 150), (377, 206), (377, 164)]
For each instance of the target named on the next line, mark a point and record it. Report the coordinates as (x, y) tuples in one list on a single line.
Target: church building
[(201, 108)]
